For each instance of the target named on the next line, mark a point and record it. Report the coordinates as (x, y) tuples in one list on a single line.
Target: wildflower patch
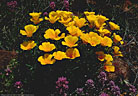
[(92, 29)]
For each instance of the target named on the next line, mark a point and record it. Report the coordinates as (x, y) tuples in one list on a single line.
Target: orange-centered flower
[(72, 53), (108, 57), (101, 55), (59, 55), (106, 41), (100, 20), (46, 59), (74, 31), (70, 41), (47, 47), (79, 22), (27, 45), (29, 30), (53, 34), (109, 68), (53, 17), (117, 38), (94, 39), (117, 52), (35, 17), (114, 26)]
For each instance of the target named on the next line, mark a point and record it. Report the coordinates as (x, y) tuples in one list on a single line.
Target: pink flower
[(104, 94), (8, 70), (66, 3), (52, 5), (62, 85), (18, 84), (12, 4)]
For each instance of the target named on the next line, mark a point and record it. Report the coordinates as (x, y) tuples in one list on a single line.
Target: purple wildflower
[(79, 91), (102, 77), (103, 94), (132, 88), (112, 83), (52, 5), (89, 84), (62, 85), (66, 3), (12, 4), (18, 84), (8, 70), (115, 90), (45, 14)]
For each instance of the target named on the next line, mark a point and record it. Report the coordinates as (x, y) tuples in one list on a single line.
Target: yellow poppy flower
[(72, 23), (27, 45), (29, 30), (85, 37), (47, 47), (70, 41), (35, 17), (100, 20), (94, 39), (101, 55), (79, 22), (53, 17), (59, 55), (117, 52), (121, 42), (109, 68), (117, 38), (108, 57), (53, 34), (72, 53), (65, 17), (74, 31), (106, 41), (46, 59), (108, 63), (104, 32), (91, 19), (89, 13), (64, 20), (64, 14), (114, 26), (36, 21)]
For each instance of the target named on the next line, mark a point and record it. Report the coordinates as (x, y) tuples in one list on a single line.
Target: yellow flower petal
[(47, 47), (29, 30), (101, 55), (79, 22), (27, 45), (46, 59), (72, 53), (53, 34), (74, 31), (59, 55), (117, 38), (23, 32), (106, 41), (70, 41), (110, 68), (108, 57), (114, 26)]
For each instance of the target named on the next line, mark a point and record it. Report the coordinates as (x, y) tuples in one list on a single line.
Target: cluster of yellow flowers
[(102, 35)]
